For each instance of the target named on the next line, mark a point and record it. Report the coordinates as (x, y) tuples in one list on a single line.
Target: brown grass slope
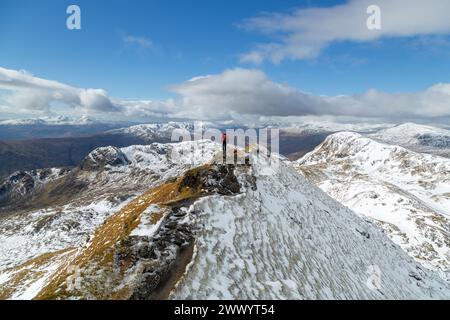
[(116, 265)]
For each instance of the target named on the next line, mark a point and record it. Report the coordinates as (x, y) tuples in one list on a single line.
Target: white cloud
[(141, 109), (96, 99), (31, 93), (235, 94), (239, 92), (304, 33)]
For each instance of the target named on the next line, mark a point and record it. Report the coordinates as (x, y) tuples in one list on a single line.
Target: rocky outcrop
[(103, 157), (218, 179), (22, 185), (159, 257), (168, 251), (434, 140), (163, 256)]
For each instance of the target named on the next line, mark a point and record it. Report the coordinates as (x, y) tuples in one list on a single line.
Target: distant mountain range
[(53, 127), (57, 120)]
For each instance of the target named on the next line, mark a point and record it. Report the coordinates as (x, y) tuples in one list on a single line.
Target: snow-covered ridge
[(111, 169), (409, 130), (286, 239), (416, 137), (328, 126), (154, 131), (405, 192), (141, 164), (58, 120)]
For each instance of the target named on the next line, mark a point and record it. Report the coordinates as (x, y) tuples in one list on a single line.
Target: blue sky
[(186, 39), (189, 38)]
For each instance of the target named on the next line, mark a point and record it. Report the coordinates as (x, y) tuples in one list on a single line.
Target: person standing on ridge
[(224, 145)]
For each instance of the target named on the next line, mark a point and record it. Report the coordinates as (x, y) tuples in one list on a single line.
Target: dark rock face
[(160, 255), (21, 185), (159, 149), (363, 233), (434, 140), (216, 179), (18, 185), (102, 157), (415, 276)]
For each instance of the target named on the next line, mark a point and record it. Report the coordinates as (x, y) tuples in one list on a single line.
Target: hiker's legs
[(224, 151)]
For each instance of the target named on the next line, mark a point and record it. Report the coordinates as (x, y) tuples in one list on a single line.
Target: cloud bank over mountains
[(30, 93), (228, 95), (304, 33), (250, 92)]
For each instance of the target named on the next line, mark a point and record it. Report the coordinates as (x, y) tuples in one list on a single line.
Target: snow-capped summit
[(154, 131), (417, 137), (410, 129), (106, 156), (330, 126), (140, 165), (283, 238), (404, 192)]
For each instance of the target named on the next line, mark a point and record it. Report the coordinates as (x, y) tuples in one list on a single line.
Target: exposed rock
[(163, 252), (415, 276), (364, 233), (22, 185), (159, 254), (102, 157), (218, 178)]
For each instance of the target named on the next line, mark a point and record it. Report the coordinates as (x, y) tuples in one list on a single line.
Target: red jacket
[(224, 137)]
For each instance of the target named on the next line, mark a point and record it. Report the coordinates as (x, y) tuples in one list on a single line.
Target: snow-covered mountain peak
[(343, 137), (154, 131), (420, 138), (410, 129), (355, 149), (105, 156), (404, 192), (362, 152), (314, 247)]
